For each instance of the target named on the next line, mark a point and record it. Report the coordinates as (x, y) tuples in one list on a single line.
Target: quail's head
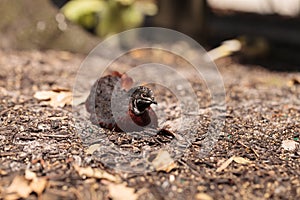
[(141, 98)]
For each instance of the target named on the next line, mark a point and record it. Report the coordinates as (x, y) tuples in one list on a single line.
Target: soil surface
[(45, 151)]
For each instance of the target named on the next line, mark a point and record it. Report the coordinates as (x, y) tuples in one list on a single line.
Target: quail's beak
[(153, 101), (150, 101)]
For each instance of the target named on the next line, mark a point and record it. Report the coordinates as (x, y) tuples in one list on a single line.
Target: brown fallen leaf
[(44, 95), (203, 196), (237, 159), (19, 186), (289, 145), (65, 55), (163, 162), (59, 89), (54, 98), (29, 175), (80, 99), (241, 160), (37, 184), (294, 82), (96, 173), (59, 118), (226, 49), (3, 91), (225, 164), (121, 192), (2, 172)]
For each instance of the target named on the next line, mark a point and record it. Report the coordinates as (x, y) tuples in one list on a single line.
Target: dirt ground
[(42, 156)]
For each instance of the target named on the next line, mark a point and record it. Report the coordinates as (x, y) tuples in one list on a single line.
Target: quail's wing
[(100, 94)]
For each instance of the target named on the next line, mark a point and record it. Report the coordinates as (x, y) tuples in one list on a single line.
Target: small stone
[(21, 128), (43, 127), (289, 145), (77, 160), (172, 178)]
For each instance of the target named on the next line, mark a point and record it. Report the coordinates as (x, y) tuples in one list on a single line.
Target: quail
[(114, 104)]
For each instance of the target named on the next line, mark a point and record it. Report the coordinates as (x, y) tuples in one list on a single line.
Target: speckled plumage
[(102, 99)]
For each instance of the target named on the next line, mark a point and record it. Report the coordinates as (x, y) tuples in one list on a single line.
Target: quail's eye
[(143, 95)]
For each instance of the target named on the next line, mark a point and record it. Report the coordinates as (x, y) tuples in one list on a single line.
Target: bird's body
[(114, 105)]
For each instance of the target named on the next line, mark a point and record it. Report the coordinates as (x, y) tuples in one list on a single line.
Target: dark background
[(270, 39)]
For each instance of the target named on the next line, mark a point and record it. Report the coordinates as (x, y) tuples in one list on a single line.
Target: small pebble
[(43, 127), (172, 178)]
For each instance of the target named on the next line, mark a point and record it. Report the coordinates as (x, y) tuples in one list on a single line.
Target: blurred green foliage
[(107, 17)]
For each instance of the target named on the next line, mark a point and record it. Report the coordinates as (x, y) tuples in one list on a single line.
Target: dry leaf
[(294, 81), (20, 186), (29, 175), (225, 164), (55, 99), (241, 160), (96, 173), (236, 159), (163, 162), (11, 196), (289, 145), (203, 196), (60, 89), (38, 185), (80, 99), (227, 48), (84, 171), (92, 148), (65, 55), (44, 95), (2, 172), (61, 99), (3, 91), (59, 118), (121, 192)]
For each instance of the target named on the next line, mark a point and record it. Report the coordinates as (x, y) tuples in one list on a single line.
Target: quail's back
[(99, 105)]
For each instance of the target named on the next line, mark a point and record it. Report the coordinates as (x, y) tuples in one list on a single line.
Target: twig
[(193, 170), (3, 154), (256, 154)]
